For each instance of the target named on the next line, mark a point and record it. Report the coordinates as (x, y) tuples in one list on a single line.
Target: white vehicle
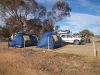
[(68, 38)]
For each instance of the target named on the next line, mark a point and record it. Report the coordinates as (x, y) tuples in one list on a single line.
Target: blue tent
[(55, 41), (20, 38)]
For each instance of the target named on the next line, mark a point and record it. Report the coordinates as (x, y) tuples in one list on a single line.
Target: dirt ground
[(67, 60), (84, 50)]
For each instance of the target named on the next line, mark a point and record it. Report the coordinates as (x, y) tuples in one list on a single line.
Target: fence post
[(24, 43), (48, 44), (95, 52)]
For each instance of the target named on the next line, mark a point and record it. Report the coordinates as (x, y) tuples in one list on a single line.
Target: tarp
[(20, 38), (54, 41)]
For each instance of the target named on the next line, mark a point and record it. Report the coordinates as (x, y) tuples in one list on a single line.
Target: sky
[(85, 14)]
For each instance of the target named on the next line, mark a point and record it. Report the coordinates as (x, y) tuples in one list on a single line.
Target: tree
[(47, 25), (33, 26), (75, 33), (13, 9), (59, 11), (10, 23), (16, 14), (0, 30), (86, 33), (56, 29), (19, 10), (5, 32)]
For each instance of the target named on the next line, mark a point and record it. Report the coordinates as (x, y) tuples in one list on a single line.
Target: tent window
[(26, 37), (55, 37)]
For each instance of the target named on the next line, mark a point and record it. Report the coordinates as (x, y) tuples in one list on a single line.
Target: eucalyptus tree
[(34, 26), (18, 12), (5, 32), (86, 33), (60, 10)]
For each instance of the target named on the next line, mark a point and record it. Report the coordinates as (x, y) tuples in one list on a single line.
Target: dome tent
[(54, 41), (18, 40)]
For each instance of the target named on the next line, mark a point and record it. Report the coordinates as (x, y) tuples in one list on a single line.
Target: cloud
[(78, 3), (79, 21), (47, 1), (65, 27), (95, 30), (89, 5)]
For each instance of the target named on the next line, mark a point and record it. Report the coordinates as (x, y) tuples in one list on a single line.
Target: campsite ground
[(67, 60)]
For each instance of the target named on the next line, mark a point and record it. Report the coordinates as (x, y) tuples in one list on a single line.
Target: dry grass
[(82, 50), (32, 61)]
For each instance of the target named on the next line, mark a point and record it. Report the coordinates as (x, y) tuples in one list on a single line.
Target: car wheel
[(76, 42)]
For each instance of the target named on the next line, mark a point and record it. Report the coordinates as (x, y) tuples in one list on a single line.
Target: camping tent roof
[(19, 38), (43, 43)]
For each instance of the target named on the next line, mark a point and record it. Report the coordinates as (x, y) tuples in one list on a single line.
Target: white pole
[(94, 47), (48, 44), (24, 43)]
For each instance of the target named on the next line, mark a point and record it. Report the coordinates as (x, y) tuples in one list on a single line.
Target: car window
[(63, 36), (68, 36)]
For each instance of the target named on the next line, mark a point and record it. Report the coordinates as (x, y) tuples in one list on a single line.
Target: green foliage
[(33, 26), (16, 15), (17, 11), (0, 30), (56, 29), (5, 32), (61, 10), (86, 33), (47, 25), (11, 23)]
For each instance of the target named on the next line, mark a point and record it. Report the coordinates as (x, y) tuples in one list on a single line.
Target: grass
[(66, 55)]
